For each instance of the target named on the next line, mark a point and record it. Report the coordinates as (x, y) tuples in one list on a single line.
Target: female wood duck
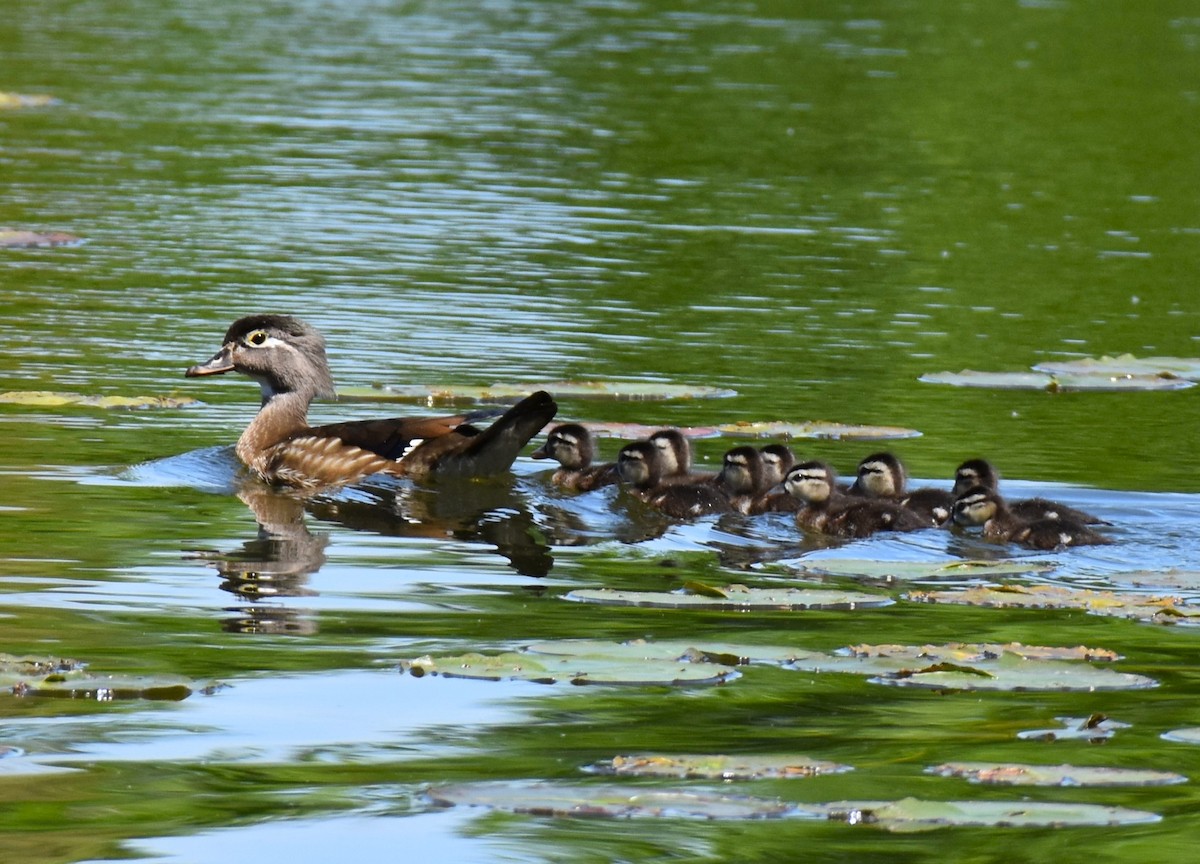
[(980, 506), (287, 358), (640, 467), (979, 472), (826, 510), (882, 475), (573, 447)]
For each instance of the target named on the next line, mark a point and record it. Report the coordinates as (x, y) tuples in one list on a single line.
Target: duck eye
[(256, 338)]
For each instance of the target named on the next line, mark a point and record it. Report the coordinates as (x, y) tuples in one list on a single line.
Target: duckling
[(741, 478), (979, 472), (829, 511), (640, 468), (776, 459), (573, 446), (286, 356), (675, 455), (980, 506), (882, 475)]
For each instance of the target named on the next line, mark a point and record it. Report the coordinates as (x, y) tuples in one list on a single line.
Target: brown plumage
[(826, 510), (287, 358), (983, 507), (980, 472), (882, 476), (572, 446), (640, 468)]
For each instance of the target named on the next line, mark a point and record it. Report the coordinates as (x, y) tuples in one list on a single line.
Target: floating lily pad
[(1009, 774), (1054, 383), (1188, 735), (107, 688), (547, 669), (1125, 364), (717, 767), (1159, 609), (614, 802), (815, 429), (622, 391), (636, 431), (732, 597), (1171, 579), (1095, 728), (47, 399), (920, 570), (911, 814), (12, 238), (25, 100), (966, 652), (678, 650), (1014, 673)]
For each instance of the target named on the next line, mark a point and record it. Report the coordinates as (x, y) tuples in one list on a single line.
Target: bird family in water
[(287, 358), (767, 479)]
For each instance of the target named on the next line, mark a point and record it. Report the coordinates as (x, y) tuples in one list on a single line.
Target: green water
[(809, 203)]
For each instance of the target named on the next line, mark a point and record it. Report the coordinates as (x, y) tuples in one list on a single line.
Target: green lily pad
[(815, 429), (1054, 383), (906, 571), (970, 652), (637, 431), (47, 399), (1094, 728), (614, 802), (1187, 735), (25, 100), (717, 767), (1125, 364), (622, 391), (1010, 774), (733, 597), (13, 238), (678, 650), (911, 814), (1171, 579), (546, 669), (1014, 673), (1158, 609), (107, 688)]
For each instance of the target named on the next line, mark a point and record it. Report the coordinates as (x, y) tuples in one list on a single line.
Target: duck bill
[(540, 453), (220, 363)]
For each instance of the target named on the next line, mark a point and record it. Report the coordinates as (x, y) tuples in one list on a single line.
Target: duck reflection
[(278, 561)]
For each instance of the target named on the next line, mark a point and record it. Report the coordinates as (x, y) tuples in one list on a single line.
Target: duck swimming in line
[(641, 470), (287, 358), (829, 511), (979, 472), (882, 476), (573, 447), (983, 507)]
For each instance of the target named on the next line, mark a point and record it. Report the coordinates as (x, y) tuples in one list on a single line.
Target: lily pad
[(546, 669), (966, 652), (1159, 609), (717, 767), (622, 391), (1187, 735), (733, 597), (637, 431), (1095, 728), (613, 802), (1172, 579), (911, 814), (919, 570), (678, 650), (1014, 673), (1010, 774), (25, 100), (107, 688), (48, 399), (815, 429), (13, 238), (1055, 383), (1125, 364)]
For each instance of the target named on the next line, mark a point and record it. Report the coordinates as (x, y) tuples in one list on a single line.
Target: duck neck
[(281, 416)]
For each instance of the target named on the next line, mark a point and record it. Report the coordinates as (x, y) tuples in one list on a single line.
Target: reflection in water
[(277, 562)]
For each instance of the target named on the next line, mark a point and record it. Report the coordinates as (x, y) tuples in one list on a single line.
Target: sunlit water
[(809, 206)]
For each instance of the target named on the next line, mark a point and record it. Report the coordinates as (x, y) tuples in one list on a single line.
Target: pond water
[(809, 204)]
